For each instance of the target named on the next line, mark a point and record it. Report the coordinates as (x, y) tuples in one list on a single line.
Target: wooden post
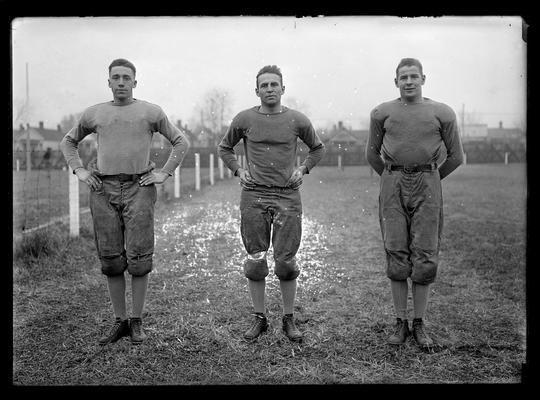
[(197, 171), (73, 204), (506, 158), (220, 167), (211, 168), (464, 158), (339, 161), (177, 182)]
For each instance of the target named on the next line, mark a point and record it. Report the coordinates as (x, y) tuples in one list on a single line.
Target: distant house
[(341, 136), (474, 131), (43, 139), (505, 133)]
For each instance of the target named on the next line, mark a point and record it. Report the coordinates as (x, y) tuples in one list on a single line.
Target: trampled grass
[(198, 303)]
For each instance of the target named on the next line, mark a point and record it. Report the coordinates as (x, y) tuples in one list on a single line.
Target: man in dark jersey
[(406, 141), (270, 204), (122, 190)]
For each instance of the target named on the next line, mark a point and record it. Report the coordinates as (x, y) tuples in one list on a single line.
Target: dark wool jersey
[(406, 134), (124, 137), (270, 143)]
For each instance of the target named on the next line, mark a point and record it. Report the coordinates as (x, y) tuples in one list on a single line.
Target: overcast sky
[(335, 68)]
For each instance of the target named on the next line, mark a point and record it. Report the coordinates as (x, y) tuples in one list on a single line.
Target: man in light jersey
[(407, 137), (270, 203), (122, 190)]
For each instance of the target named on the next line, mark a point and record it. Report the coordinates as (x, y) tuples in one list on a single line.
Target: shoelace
[(136, 326), (420, 331), (398, 328)]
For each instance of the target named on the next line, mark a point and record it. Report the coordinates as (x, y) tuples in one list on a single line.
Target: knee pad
[(286, 270), (113, 265), (256, 266)]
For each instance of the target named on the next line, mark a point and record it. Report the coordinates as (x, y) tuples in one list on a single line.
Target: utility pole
[(28, 155)]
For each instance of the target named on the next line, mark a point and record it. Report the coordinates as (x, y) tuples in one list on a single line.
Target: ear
[(109, 82), (282, 89), (395, 82), (257, 92), (423, 79), (135, 83)]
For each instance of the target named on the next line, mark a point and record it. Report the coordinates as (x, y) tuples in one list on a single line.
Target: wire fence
[(41, 193)]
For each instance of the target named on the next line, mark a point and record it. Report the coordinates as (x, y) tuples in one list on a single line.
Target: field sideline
[(198, 303)]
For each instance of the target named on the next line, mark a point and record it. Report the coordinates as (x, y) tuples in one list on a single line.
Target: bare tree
[(69, 121), (21, 112), (214, 111)]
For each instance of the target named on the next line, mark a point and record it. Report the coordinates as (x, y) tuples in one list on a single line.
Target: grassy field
[(198, 303)]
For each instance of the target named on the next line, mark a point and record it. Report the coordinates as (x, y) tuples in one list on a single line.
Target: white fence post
[(177, 182), (220, 167), (73, 204), (197, 171), (464, 158), (339, 161), (211, 168), (229, 173), (18, 165), (506, 158)]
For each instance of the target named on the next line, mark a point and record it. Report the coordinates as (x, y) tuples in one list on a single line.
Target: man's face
[(122, 81), (269, 89), (409, 81)]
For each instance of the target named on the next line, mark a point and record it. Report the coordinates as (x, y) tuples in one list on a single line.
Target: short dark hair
[(122, 62), (409, 62), (268, 69)]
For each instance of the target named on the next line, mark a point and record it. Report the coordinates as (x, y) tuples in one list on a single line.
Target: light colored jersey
[(124, 137)]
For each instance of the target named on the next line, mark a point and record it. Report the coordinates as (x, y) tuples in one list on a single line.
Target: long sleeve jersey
[(407, 134), (270, 144), (124, 137)]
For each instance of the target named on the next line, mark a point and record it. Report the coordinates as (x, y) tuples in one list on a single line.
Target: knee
[(113, 265), (256, 266), (140, 265), (286, 270), (398, 268), (425, 267)]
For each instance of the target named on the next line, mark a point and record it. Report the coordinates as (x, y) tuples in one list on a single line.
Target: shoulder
[(298, 117), (441, 110), (244, 116), (382, 110), (151, 108), (97, 107)]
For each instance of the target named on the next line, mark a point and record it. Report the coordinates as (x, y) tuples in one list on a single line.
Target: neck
[(123, 102), (270, 109), (412, 100)]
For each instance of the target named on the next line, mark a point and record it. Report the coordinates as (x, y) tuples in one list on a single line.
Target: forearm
[(449, 165), (314, 156), (375, 161), (70, 150), (229, 157), (178, 153)]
